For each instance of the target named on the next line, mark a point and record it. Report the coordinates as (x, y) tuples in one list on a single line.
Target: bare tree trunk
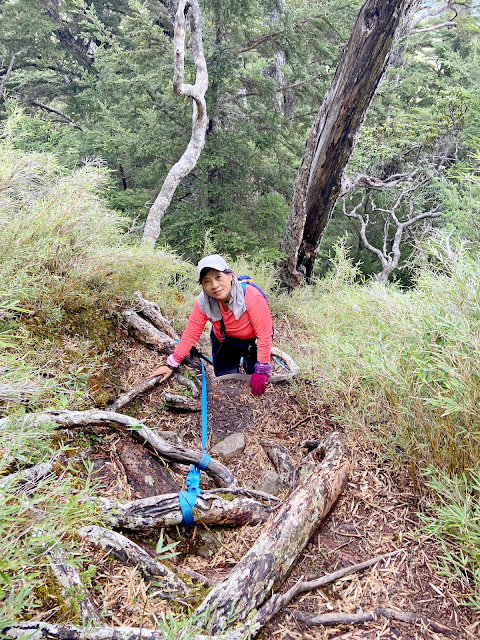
[(285, 536), (190, 9), (334, 133)]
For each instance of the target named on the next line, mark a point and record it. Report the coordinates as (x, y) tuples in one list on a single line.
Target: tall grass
[(404, 367), (68, 266)]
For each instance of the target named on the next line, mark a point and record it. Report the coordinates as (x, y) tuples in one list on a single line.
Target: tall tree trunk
[(197, 91), (334, 132)]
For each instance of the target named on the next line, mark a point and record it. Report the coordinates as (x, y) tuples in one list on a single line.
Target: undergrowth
[(402, 367)]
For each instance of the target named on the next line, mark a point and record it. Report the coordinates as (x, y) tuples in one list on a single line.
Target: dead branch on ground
[(332, 619), (128, 552), (270, 559), (164, 511)]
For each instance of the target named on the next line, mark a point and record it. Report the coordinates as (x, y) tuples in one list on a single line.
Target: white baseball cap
[(212, 262)]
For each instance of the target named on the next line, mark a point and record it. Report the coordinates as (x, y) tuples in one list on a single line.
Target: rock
[(205, 544), (269, 483), (230, 447), (171, 436)]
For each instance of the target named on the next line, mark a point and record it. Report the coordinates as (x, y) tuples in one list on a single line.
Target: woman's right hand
[(164, 371)]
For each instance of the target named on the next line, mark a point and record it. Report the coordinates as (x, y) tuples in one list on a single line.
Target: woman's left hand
[(164, 371)]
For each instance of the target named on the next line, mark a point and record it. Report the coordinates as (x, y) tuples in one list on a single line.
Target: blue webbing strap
[(188, 498)]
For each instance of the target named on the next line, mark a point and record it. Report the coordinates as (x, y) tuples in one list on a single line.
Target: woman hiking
[(241, 325)]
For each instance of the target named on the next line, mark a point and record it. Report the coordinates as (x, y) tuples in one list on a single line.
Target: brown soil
[(377, 513)]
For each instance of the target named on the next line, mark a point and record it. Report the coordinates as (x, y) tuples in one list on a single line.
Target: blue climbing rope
[(188, 498)]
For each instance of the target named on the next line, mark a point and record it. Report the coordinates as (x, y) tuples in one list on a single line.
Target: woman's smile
[(217, 284)]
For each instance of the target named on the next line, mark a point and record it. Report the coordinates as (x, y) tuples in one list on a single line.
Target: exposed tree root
[(164, 511), (331, 619), (270, 559), (128, 552), (72, 419), (182, 403), (72, 586)]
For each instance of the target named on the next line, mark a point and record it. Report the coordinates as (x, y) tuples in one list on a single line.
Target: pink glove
[(258, 381)]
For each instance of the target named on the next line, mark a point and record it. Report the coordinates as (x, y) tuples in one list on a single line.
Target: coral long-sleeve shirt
[(255, 322)]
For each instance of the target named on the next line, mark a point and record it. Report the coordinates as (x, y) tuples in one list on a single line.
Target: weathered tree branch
[(146, 333), (196, 92), (151, 311), (146, 385), (129, 552), (164, 511), (281, 459), (73, 589), (46, 631), (182, 403), (7, 75), (270, 559), (331, 619), (390, 254), (72, 419)]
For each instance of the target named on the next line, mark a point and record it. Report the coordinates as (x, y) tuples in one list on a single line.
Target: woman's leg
[(226, 359)]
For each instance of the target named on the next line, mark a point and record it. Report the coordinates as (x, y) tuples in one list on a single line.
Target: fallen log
[(332, 619), (128, 552), (73, 589), (164, 511), (146, 333), (270, 559), (182, 403), (151, 311), (47, 631), (281, 459), (273, 379), (72, 419), (146, 385)]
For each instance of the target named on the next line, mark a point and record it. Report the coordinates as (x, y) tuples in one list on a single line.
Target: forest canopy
[(96, 81)]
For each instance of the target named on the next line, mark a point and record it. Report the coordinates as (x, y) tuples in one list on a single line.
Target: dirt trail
[(376, 514)]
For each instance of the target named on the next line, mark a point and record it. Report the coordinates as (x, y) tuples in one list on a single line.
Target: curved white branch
[(191, 10)]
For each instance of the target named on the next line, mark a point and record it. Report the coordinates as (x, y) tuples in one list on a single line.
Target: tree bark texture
[(281, 459), (72, 419), (334, 132), (128, 552), (151, 312), (146, 333), (182, 403), (46, 631), (164, 511), (270, 559), (72, 587), (191, 10)]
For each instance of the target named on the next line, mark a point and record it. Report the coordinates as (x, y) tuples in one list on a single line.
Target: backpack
[(244, 280)]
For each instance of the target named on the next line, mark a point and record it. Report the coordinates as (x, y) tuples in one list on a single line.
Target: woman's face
[(217, 284)]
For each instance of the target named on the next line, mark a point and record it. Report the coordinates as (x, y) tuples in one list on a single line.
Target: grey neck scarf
[(236, 304)]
